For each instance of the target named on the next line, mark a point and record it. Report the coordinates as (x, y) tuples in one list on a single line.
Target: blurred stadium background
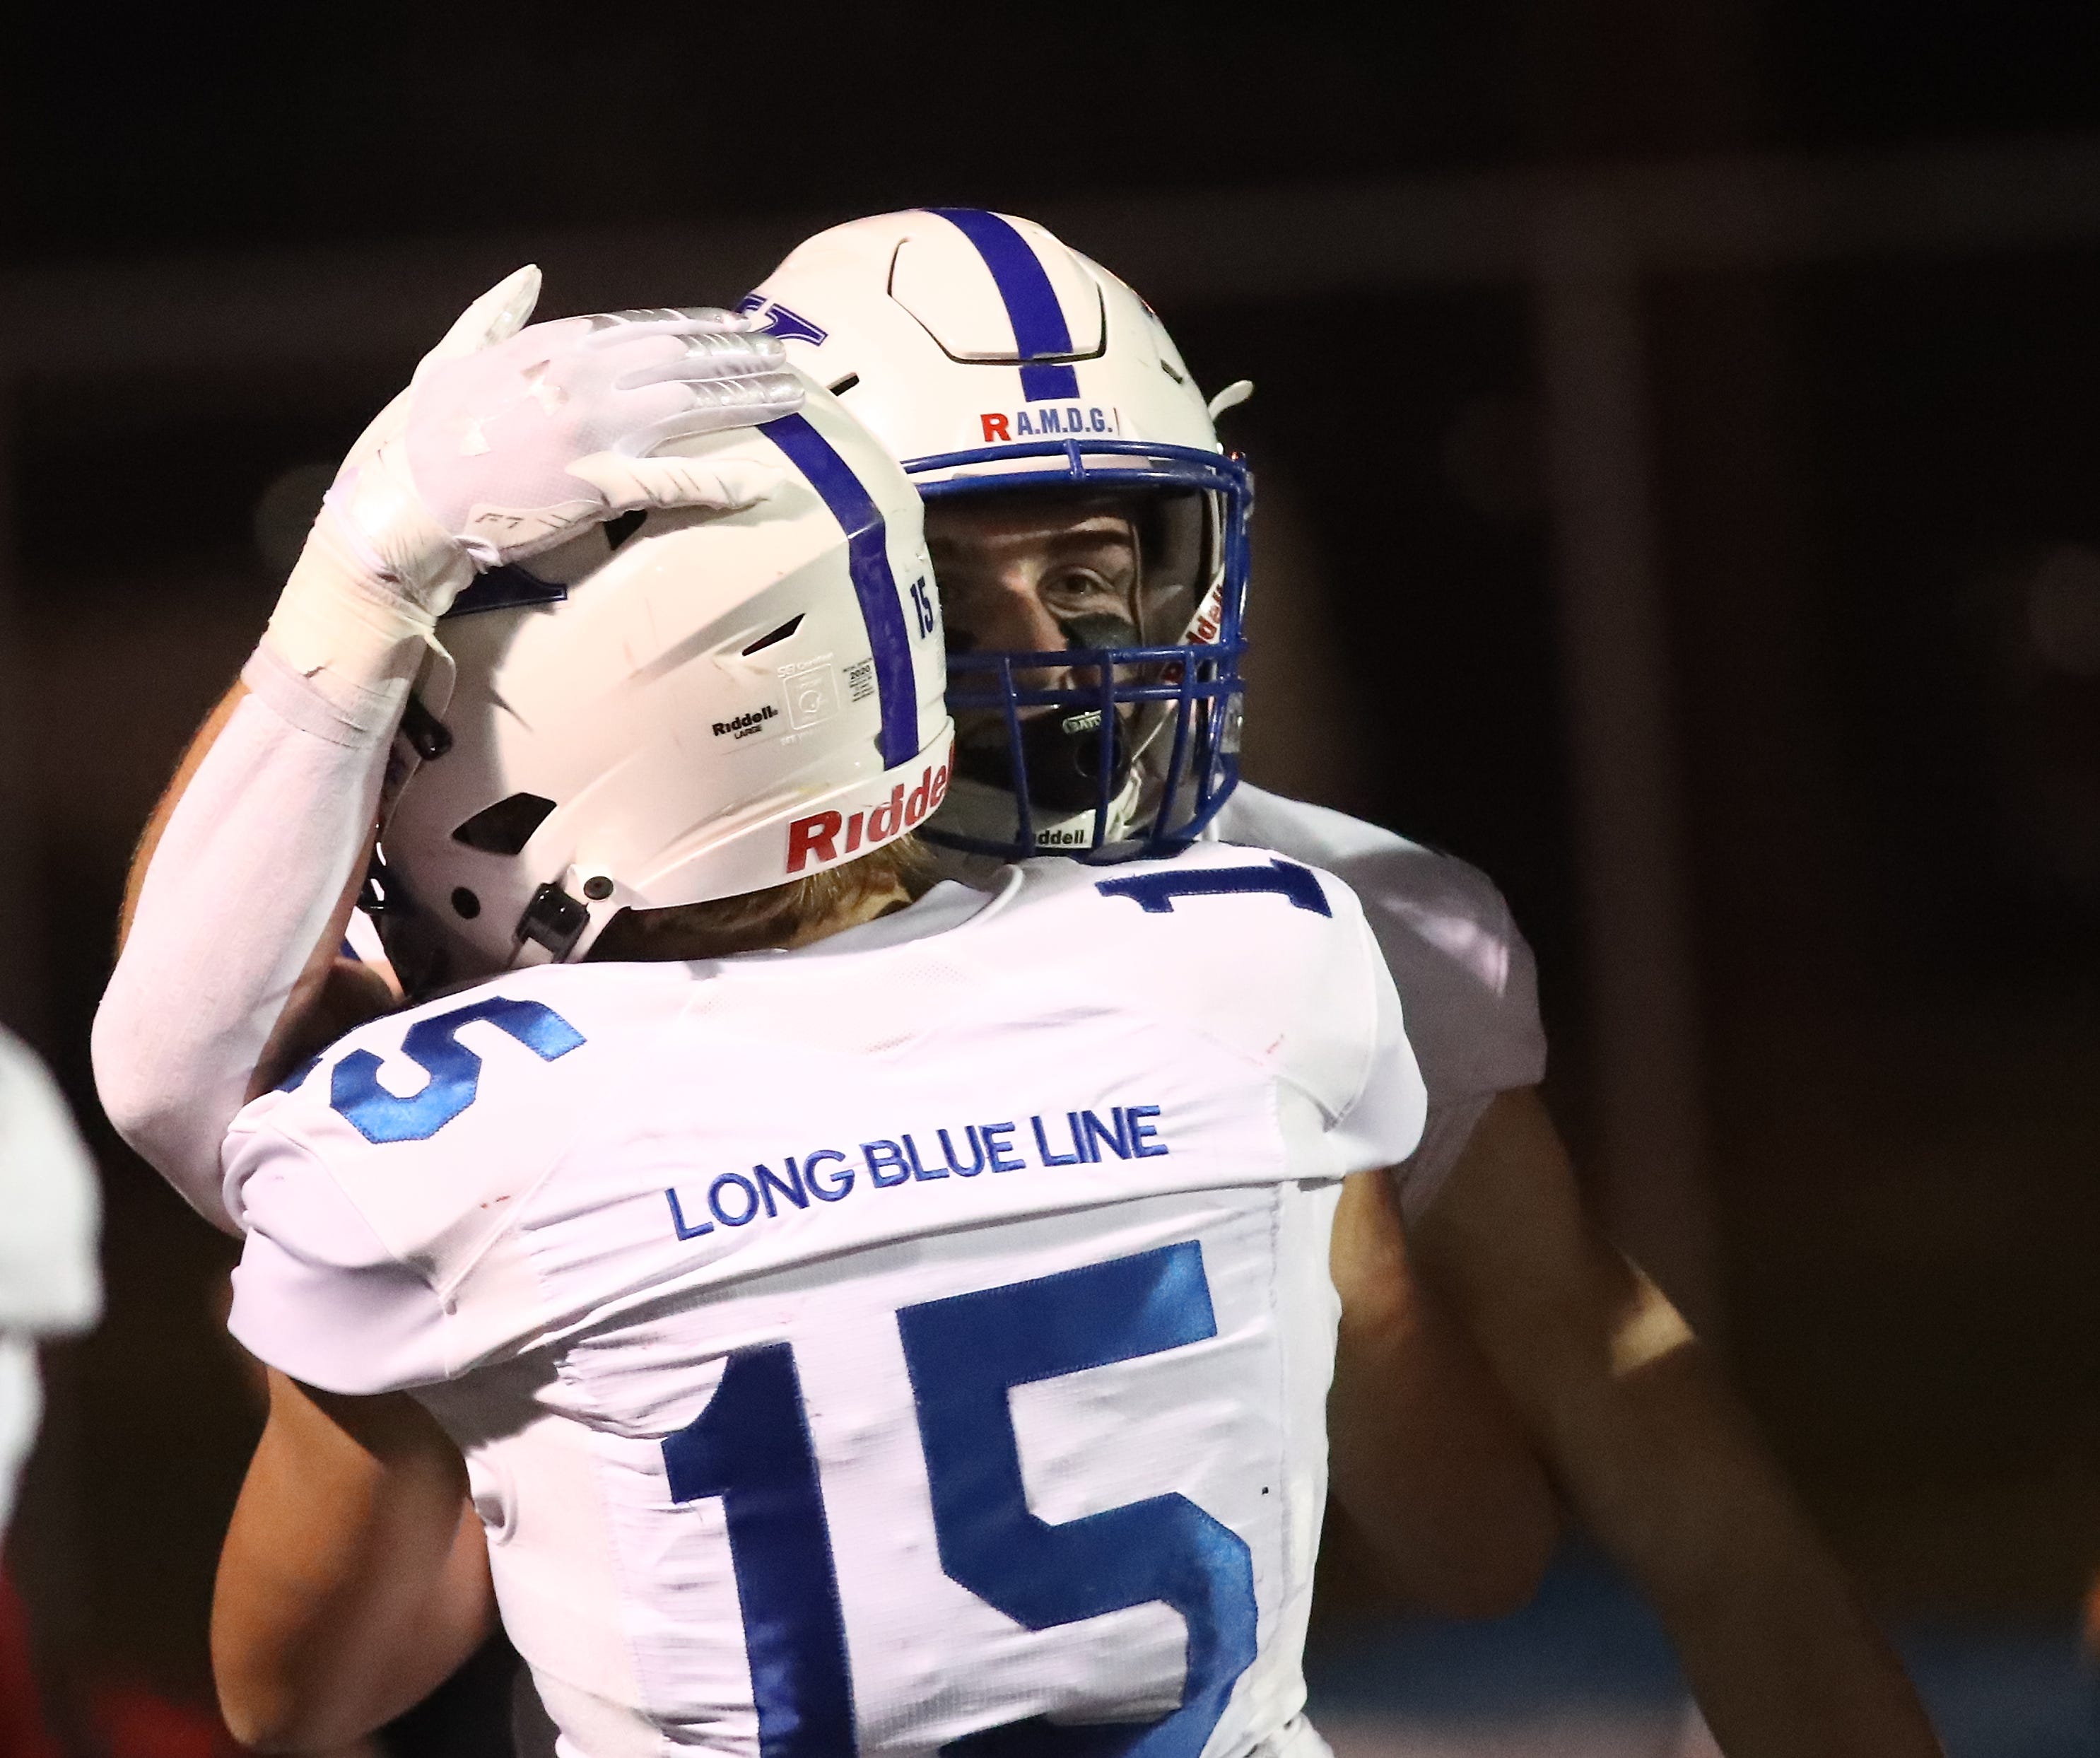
[(1679, 433)]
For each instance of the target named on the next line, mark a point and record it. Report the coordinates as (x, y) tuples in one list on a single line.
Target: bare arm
[(354, 1580), (1658, 1460), (1429, 1460)]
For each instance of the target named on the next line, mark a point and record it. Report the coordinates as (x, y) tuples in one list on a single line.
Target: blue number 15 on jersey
[(752, 1447)]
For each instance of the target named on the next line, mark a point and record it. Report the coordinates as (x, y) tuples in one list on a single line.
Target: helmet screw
[(597, 888)]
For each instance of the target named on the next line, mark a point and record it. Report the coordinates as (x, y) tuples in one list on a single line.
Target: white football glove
[(507, 441)]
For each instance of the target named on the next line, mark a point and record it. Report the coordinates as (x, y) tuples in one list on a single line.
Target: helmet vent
[(506, 827), (618, 531), (844, 384), (778, 635)]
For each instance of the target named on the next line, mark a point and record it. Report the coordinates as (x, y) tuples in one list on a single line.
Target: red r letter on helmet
[(995, 427), (815, 835)]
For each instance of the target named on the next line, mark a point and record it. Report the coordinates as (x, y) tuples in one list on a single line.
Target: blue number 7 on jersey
[(964, 1354)]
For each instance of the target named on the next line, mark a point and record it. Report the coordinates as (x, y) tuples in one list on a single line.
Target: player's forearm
[(236, 919), (1664, 1469), (353, 1579), (1656, 1457), (1790, 1665)]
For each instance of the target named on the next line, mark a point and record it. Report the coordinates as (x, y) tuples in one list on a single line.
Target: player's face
[(1047, 572), (1034, 575)]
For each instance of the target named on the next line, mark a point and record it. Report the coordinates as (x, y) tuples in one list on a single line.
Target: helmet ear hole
[(506, 827)]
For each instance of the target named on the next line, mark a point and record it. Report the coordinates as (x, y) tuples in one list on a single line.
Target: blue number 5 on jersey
[(455, 1070), (964, 1354), (751, 1445)]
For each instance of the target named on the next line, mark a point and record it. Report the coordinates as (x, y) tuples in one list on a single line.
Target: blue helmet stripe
[(1038, 323), (867, 555), (505, 588)]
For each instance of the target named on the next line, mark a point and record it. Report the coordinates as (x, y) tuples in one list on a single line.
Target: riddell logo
[(829, 836), (742, 725), (1209, 620)]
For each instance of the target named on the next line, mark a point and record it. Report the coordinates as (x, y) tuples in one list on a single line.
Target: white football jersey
[(1465, 973), (915, 1343)]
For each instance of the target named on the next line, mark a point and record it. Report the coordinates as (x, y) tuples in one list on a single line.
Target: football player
[(1067, 585), (238, 901), (906, 1335)]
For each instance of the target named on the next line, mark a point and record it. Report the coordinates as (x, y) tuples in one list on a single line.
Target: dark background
[(187, 129), (1879, 550)]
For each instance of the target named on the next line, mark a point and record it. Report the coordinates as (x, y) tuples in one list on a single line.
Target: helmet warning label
[(813, 691)]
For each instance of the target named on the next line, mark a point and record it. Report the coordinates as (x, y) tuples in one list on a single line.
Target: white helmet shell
[(962, 330), (988, 356), (713, 706)]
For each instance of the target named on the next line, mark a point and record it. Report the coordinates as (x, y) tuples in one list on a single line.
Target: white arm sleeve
[(255, 857)]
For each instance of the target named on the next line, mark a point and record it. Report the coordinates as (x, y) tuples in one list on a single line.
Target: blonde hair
[(782, 915)]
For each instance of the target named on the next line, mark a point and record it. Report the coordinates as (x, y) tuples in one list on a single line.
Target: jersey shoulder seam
[(312, 1158)]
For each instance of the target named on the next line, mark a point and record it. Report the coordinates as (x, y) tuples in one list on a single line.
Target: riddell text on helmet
[(829, 836)]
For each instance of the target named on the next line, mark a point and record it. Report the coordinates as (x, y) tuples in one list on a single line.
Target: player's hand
[(508, 440), (511, 448)]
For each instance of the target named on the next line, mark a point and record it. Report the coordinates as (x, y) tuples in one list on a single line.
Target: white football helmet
[(991, 359), (675, 707)]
